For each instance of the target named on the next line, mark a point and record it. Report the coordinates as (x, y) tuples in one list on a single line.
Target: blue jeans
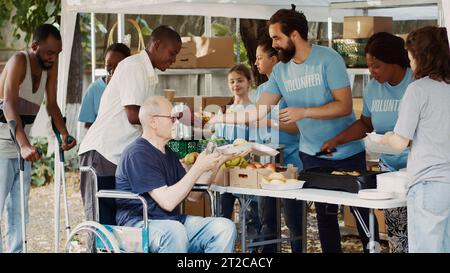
[(429, 217), (10, 195), (196, 235)]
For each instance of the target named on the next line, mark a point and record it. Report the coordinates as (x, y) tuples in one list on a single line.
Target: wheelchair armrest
[(125, 195)]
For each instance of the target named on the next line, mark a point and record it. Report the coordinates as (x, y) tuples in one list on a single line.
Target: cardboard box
[(193, 102), (350, 221), (366, 26), (222, 177), (214, 52), (205, 52), (252, 178), (186, 58), (215, 100), (201, 207)]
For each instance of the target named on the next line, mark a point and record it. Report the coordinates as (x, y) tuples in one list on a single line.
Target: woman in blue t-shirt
[(239, 83), (388, 63), (286, 135)]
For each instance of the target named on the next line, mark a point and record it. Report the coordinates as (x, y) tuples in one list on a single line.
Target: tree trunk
[(75, 83), (250, 30)]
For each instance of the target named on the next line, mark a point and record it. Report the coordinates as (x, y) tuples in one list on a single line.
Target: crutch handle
[(70, 139)]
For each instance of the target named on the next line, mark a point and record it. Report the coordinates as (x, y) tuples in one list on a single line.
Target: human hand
[(206, 162), (30, 153), (329, 146), (68, 142), (292, 114)]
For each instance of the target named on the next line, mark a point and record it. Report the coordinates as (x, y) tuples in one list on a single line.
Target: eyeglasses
[(173, 118)]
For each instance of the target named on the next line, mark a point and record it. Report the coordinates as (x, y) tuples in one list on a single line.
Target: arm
[(53, 108), (341, 106), (133, 113), (356, 131), (15, 74), (170, 197), (249, 115), (395, 140), (285, 127)]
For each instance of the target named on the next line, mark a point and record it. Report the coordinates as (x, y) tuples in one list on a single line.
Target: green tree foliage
[(26, 15)]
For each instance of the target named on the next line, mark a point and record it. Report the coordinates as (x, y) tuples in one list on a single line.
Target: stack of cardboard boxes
[(205, 52)]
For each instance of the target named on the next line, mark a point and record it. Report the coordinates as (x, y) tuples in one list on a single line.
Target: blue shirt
[(381, 104), (91, 101), (232, 131), (290, 141), (143, 168), (310, 84)]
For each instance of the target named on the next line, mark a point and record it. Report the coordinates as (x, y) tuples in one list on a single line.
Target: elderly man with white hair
[(148, 167)]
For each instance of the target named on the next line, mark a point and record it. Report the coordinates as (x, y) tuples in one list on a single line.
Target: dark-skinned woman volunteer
[(388, 63)]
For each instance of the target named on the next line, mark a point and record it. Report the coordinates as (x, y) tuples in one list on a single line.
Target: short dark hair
[(291, 20), (43, 31), (119, 48), (388, 48), (165, 32), (429, 47), (265, 42)]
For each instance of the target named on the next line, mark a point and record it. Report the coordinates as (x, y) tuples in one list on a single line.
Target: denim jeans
[(10, 196), (196, 235), (429, 217), (327, 221)]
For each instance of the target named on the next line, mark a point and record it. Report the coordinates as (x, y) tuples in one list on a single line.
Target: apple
[(258, 165), (191, 158), (270, 166)]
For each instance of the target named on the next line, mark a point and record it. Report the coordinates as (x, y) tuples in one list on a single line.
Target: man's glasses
[(173, 118)]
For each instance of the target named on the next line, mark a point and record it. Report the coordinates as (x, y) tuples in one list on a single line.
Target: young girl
[(424, 119), (239, 83)]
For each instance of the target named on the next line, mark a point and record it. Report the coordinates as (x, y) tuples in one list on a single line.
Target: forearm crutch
[(12, 130), (60, 180)]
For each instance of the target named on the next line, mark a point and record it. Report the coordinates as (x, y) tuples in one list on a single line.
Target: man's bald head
[(155, 105)]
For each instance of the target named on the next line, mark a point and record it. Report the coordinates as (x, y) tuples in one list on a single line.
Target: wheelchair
[(109, 237)]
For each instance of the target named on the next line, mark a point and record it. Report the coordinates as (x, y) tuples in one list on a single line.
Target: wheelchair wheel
[(78, 239)]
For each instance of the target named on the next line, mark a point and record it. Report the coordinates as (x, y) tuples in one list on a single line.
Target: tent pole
[(238, 40), (208, 77), (93, 47), (120, 27)]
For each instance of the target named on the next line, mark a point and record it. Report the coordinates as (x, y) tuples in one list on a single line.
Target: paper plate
[(374, 194), (283, 187), (373, 145)]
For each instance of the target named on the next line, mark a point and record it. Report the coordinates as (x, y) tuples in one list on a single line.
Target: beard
[(286, 54), (42, 63)]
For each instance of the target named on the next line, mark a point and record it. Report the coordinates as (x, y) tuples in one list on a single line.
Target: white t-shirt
[(424, 118), (133, 82)]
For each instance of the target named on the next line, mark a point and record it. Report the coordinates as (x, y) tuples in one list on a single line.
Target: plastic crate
[(352, 50)]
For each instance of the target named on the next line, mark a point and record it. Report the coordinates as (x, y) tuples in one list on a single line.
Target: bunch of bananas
[(238, 161)]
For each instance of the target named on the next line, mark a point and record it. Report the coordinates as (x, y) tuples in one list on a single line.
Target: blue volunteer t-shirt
[(310, 84), (290, 141), (381, 104), (143, 168), (91, 101)]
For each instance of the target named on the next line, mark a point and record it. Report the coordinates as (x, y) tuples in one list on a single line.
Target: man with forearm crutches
[(28, 77)]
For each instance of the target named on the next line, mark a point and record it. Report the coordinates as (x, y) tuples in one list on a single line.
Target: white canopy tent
[(315, 10)]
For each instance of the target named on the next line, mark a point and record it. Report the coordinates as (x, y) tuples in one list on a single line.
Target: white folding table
[(313, 195)]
